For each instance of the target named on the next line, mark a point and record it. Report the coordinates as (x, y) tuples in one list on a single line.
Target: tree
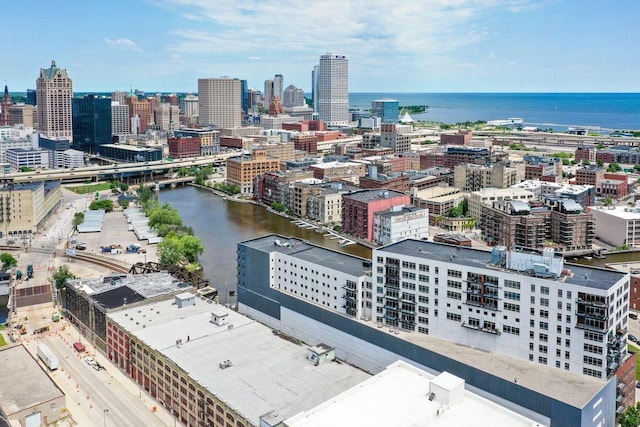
[(61, 275), (192, 248), (600, 163), (170, 251), (8, 261), (614, 167), (165, 215), (607, 201), (123, 187), (144, 194), (78, 219), (124, 203), (278, 207), (630, 417), (107, 205)]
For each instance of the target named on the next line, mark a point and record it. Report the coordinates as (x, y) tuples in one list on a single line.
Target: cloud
[(126, 44)]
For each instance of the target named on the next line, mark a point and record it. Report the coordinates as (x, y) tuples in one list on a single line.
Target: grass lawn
[(632, 348), (85, 189)]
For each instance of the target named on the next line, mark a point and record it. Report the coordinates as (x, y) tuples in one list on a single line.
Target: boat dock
[(342, 241)]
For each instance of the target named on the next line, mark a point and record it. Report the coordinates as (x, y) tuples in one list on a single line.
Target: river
[(221, 224)]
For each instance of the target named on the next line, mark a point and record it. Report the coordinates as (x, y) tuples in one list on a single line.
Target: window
[(542, 360), (511, 284), (593, 361), (592, 372), (544, 290), (533, 287), (454, 295), (511, 307), (454, 273), (542, 349), (510, 330), (454, 316), (424, 268), (454, 284), (423, 330), (512, 296), (559, 293), (544, 302), (544, 326), (424, 289)]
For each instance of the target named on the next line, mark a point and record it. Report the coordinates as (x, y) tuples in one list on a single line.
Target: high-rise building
[(167, 116), (120, 118), (244, 87), (278, 85), (5, 104), (268, 92), (293, 97), (314, 88), (54, 93), (119, 97), (219, 102), (190, 107), (333, 89), (387, 109), (32, 97), (91, 123)]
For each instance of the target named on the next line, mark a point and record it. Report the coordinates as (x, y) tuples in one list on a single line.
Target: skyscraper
[(4, 107), (314, 88), (333, 89), (54, 92), (91, 123), (220, 102), (387, 109), (120, 118), (268, 92), (293, 97), (278, 85)]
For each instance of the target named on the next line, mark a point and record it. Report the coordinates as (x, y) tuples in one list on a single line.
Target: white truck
[(47, 357)]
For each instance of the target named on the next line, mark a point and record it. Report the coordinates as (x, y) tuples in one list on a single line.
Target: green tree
[(192, 248), (586, 163), (170, 251), (107, 205), (631, 417), (8, 261), (124, 203), (614, 167), (78, 219), (607, 201), (26, 169), (123, 187), (61, 275), (145, 194), (278, 207), (165, 215), (600, 163)]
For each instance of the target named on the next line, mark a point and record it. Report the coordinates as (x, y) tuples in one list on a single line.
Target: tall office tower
[(314, 87), (190, 105), (167, 116), (278, 85), (91, 123), (5, 104), (293, 97), (333, 89), (244, 87), (119, 97), (32, 97), (54, 93), (268, 92), (120, 118), (387, 109), (141, 108), (219, 102)]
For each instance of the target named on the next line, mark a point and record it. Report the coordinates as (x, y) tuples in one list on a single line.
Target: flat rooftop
[(372, 195), (29, 383), (622, 212), (406, 390), (109, 291), (267, 373), (591, 277), (305, 251)]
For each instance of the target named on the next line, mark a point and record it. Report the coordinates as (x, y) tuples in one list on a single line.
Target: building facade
[(54, 93), (242, 171), (387, 109), (359, 208), (91, 123), (406, 222), (333, 89), (219, 102)]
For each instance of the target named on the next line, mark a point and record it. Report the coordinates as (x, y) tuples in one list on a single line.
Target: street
[(106, 397)]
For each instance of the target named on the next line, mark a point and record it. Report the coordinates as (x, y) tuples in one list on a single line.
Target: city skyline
[(436, 46)]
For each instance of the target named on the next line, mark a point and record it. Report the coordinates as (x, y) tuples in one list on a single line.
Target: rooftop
[(591, 277), (623, 212), (30, 384), (407, 390), (111, 291), (249, 367), (305, 251), (372, 195)]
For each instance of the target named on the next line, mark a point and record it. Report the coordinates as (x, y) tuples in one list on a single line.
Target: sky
[(393, 46)]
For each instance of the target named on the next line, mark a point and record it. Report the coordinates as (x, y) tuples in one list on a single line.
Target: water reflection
[(221, 224)]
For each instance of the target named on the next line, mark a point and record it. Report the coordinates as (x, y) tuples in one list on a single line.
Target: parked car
[(637, 384), (89, 361), (633, 316), (81, 247), (633, 338), (97, 366)]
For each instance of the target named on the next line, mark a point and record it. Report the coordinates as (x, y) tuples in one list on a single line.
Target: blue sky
[(393, 46)]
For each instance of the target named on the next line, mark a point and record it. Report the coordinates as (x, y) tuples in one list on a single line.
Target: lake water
[(221, 224)]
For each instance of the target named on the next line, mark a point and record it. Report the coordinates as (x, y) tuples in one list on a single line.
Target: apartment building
[(325, 202), (487, 196), (525, 304), (560, 222), (555, 397), (25, 207), (462, 137), (591, 175), (359, 207), (242, 171), (472, 177), (212, 366), (617, 225), (183, 147), (209, 138), (400, 222)]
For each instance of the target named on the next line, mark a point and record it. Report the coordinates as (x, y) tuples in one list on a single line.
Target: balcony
[(493, 331), (590, 302)]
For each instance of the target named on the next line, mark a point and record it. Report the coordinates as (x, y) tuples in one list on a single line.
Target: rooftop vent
[(225, 364), (219, 317)]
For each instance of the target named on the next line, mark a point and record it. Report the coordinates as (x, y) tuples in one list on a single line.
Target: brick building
[(183, 147), (462, 137), (359, 207), (242, 171)]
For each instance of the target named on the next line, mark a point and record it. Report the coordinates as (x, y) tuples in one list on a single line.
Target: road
[(90, 392)]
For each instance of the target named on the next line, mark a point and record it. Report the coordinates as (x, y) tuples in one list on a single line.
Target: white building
[(54, 92), (617, 225), (527, 305), (333, 89), (417, 398), (68, 159), (34, 158), (219, 102), (293, 97), (191, 105), (120, 118), (401, 222)]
